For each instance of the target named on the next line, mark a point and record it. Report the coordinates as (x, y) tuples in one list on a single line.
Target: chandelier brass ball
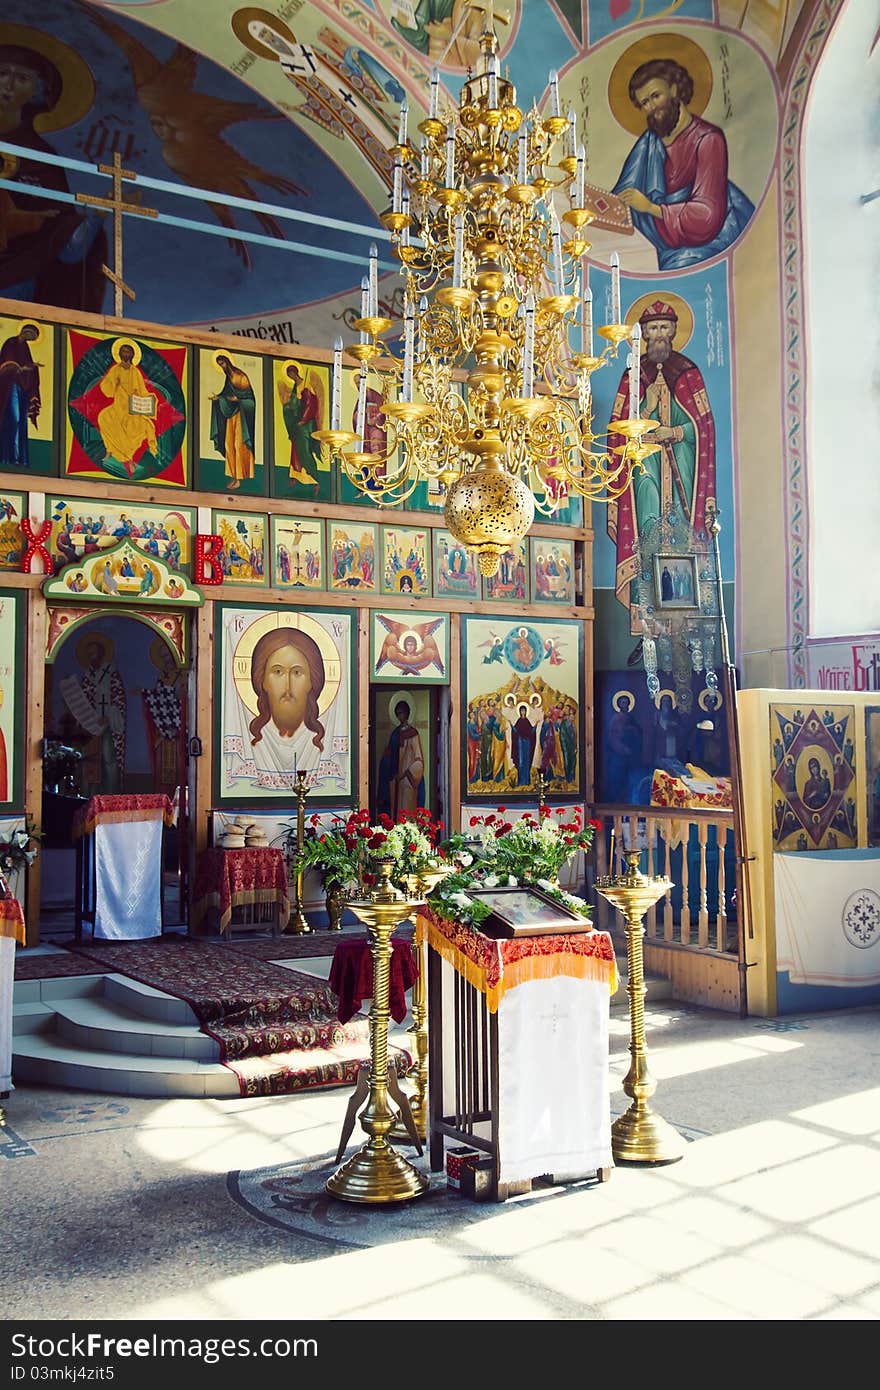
[(488, 510)]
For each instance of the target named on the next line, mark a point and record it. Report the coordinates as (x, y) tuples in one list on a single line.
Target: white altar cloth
[(128, 879), (828, 916)]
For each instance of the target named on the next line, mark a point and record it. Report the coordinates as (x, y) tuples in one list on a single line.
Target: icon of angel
[(411, 647)]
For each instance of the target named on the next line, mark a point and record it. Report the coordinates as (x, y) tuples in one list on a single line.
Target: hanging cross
[(117, 206)]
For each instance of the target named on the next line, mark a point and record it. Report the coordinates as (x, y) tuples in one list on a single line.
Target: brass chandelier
[(489, 402)]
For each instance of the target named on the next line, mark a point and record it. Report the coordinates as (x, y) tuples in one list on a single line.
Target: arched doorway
[(116, 704)]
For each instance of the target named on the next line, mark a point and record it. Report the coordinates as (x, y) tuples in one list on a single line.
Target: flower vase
[(334, 904)]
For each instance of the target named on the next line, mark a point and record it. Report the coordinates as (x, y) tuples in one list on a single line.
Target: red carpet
[(277, 1028)]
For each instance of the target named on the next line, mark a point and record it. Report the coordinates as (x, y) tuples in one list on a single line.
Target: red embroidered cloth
[(710, 793), (105, 810), (12, 920), (228, 878), (351, 977), (493, 966)]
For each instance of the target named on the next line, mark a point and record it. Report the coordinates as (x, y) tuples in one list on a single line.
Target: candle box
[(456, 1160), (478, 1179)]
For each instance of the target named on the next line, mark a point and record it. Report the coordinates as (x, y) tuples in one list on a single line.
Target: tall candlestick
[(365, 306), (409, 330), (554, 93), (458, 255), (522, 172), (571, 136), (435, 94), (587, 315), (528, 366), (361, 424), (556, 240), (374, 279), (493, 81), (580, 191), (615, 287), (634, 370), (397, 193), (336, 393), (402, 122), (450, 160)]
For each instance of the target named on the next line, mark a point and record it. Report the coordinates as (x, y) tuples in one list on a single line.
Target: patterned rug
[(56, 965), (277, 1029)]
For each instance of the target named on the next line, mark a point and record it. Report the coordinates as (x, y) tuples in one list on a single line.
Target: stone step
[(107, 1025), (46, 1059)]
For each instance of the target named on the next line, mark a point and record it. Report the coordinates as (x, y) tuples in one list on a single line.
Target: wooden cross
[(117, 206)]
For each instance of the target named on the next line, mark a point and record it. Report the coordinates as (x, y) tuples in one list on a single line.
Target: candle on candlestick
[(615, 287), (404, 208), (435, 94), (611, 854), (402, 122), (587, 315), (634, 374), (493, 81), (360, 426), (397, 187), (420, 346), (571, 136), (556, 241), (580, 193), (425, 163), (409, 330), (554, 93), (528, 361), (458, 254), (450, 160), (365, 306), (336, 392), (374, 279), (522, 172)]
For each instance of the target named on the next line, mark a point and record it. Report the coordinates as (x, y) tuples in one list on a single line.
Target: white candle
[(409, 332), (450, 160), (528, 366), (554, 93), (587, 316), (404, 207), (522, 173), (571, 143), (336, 393), (634, 371), (402, 122), (435, 94), (425, 171), (458, 254), (615, 287), (365, 306), (423, 309), (361, 424), (556, 240), (493, 81), (580, 192), (374, 278), (397, 194)]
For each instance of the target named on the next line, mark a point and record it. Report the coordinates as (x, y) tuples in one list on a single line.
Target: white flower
[(465, 860), (512, 881), (461, 900), (491, 881)]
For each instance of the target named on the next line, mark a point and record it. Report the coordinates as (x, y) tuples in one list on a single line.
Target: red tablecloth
[(228, 878), (12, 920), (351, 976), (106, 810)]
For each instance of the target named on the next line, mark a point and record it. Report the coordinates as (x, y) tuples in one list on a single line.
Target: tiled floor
[(148, 1209)]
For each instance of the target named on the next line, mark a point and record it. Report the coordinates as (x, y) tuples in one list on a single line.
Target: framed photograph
[(552, 570), (27, 412), (676, 582), (229, 394), (406, 560), (455, 568), (127, 409), (300, 406), (298, 552), (523, 707), (526, 912), (243, 557), (510, 582), (353, 546), (409, 647), (284, 702)]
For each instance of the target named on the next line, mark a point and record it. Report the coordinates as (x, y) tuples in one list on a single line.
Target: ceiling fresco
[(295, 104)]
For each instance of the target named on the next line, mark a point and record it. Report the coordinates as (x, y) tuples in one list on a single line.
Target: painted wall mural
[(814, 781), (524, 696), (284, 683)]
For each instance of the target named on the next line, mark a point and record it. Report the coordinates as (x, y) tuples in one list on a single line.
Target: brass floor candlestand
[(639, 1135), (419, 885), (298, 924), (377, 1172)]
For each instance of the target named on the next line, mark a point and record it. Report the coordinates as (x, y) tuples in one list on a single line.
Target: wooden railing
[(696, 850)]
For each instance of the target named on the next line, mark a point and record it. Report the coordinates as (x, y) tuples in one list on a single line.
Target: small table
[(234, 879), (351, 976), (12, 930), (120, 842)]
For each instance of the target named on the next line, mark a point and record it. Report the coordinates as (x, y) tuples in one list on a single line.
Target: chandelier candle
[(522, 173), (374, 279), (587, 316), (397, 187), (558, 269), (571, 146), (336, 392), (528, 367), (402, 122), (615, 288), (554, 93), (493, 82), (580, 183), (360, 427), (409, 338), (634, 369), (434, 108), (450, 160), (458, 255), (365, 306)]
